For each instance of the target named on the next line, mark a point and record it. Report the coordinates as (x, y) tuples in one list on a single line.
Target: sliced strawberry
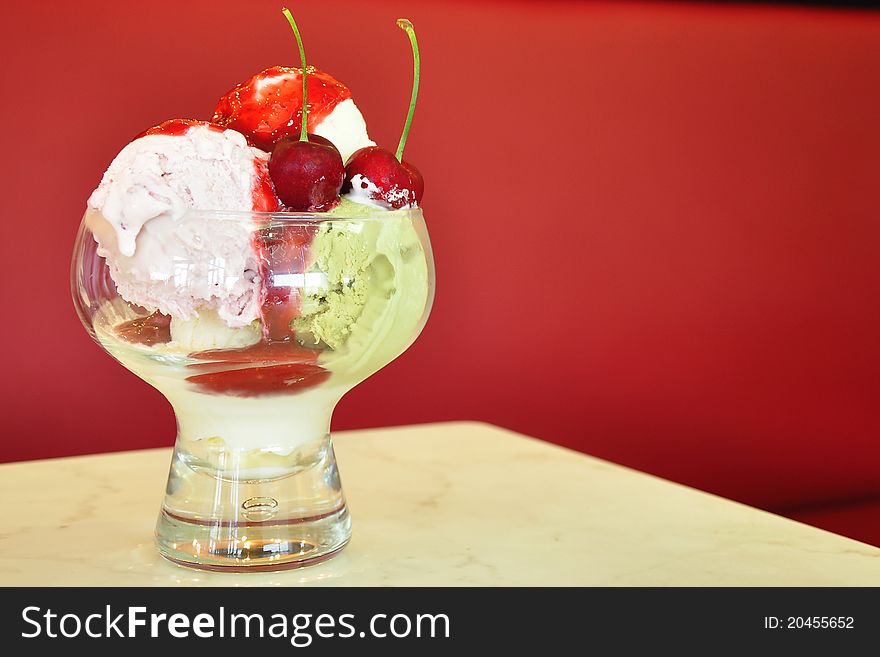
[(269, 105)]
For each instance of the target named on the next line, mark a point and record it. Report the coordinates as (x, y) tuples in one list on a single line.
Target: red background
[(655, 224)]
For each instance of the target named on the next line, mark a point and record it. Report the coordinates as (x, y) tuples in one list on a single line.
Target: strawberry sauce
[(177, 127), (263, 368), (269, 105), (150, 330)]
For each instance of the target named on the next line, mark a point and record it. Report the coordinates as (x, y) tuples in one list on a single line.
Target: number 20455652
[(809, 622)]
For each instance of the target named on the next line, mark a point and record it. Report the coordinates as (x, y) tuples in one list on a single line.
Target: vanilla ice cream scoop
[(144, 216), (346, 128)]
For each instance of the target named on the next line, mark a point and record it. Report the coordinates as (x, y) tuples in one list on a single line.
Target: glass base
[(255, 509)]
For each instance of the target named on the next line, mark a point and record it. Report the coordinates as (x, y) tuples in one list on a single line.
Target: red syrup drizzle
[(178, 127)]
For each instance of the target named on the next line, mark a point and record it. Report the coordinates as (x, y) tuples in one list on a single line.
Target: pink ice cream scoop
[(145, 217)]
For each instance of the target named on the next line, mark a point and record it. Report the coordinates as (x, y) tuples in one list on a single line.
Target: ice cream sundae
[(253, 268)]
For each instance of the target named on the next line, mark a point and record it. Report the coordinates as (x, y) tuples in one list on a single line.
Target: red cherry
[(395, 184), (269, 105), (318, 139), (418, 183), (307, 174)]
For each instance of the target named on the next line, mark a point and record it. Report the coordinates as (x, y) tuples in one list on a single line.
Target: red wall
[(656, 226)]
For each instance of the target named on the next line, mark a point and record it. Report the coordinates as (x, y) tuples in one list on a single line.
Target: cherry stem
[(304, 130), (407, 27)]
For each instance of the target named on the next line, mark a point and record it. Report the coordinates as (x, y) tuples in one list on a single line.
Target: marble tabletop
[(456, 504)]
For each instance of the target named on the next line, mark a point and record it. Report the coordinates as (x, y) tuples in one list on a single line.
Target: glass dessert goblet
[(253, 326)]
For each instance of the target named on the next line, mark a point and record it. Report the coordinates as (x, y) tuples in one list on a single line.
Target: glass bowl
[(253, 326)]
